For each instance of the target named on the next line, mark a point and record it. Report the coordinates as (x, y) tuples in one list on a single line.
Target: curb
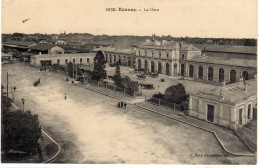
[(215, 135), (59, 148)]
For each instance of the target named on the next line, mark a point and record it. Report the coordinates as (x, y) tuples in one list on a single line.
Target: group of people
[(121, 105)]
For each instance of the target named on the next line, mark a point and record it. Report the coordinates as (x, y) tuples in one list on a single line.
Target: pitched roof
[(116, 50), (224, 61), (160, 45), (19, 43), (230, 94), (65, 55), (42, 47), (228, 48)]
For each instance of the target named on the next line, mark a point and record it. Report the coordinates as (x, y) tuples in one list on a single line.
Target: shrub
[(175, 94)]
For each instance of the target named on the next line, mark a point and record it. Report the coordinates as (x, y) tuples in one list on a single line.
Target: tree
[(128, 84), (21, 132), (99, 72), (117, 76), (70, 69), (175, 93)]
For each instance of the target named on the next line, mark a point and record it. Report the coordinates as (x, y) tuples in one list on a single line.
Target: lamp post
[(7, 83), (23, 103)]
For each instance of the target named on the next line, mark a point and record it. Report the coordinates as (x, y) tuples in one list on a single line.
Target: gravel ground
[(190, 86), (91, 129)]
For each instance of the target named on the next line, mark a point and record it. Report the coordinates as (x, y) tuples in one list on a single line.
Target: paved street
[(91, 129)]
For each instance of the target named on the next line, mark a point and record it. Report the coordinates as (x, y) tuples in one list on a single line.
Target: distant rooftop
[(230, 94), (21, 44), (42, 47), (149, 44), (228, 48), (224, 61)]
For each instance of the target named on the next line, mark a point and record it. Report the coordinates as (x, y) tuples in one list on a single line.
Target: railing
[(115, 88), (167, 104)]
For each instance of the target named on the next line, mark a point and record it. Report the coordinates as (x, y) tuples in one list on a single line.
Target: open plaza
[(91, 129)]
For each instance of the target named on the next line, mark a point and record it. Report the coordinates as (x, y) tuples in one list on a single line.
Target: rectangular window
[(80, 60), (74, 61), (249, 112), (160, 54), (145, 53), (139, 52), (58, 61), (88, 60), (167, 55), (66, 61)]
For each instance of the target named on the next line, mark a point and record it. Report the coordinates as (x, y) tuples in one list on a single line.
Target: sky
[(178, 18)]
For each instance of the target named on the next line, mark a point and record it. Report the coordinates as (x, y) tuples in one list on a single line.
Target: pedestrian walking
[(118, 104), (122, 104), (125, 105), (65, 97), (14, 88)]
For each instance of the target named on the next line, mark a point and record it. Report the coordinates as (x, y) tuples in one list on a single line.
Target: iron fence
[(115, 88), (167, 104)]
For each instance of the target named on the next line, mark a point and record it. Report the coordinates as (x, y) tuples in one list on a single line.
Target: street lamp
[(7, 83), (23, 103)]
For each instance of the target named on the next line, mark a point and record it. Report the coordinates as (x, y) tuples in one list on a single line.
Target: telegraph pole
[(7, 84)]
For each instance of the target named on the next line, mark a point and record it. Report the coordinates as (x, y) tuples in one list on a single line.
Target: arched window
[(182, 69), (159, 68), (129, 61), (191, 69), (114, 58), (167, 69), (152, 66), (233, 76), (245, 75), (139, 64), (200, 72), (221, 75), (210, 74), (182, 56), (145, 65)]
